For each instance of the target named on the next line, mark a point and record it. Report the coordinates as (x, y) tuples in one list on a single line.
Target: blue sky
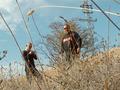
[(43, 17)]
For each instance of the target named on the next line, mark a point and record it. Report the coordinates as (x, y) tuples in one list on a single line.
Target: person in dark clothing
[(30, 68), (71, 43)]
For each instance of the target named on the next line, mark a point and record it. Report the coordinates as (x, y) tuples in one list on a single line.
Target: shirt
[(71, 41), (29, 58)]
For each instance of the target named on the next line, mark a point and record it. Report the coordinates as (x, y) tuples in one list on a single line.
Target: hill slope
[(100, 72)]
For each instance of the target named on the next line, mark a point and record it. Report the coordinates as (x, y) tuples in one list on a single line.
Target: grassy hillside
[(99, 72)]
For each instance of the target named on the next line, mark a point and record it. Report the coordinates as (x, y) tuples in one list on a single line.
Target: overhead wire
[(106, 15), (16, 43), (46, 47), (28, 31), (24, 21), (30, 36), (117, 1), (39, 32), (42, 41)]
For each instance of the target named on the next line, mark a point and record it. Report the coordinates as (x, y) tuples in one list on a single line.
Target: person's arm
[(78, 39), (33, 54), (25, 56)]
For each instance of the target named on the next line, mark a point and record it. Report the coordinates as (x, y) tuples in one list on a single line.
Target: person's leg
[(37, 74), (28, 75), (68, 59)]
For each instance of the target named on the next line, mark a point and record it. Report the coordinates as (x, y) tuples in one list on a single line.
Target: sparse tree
[(54, 39)]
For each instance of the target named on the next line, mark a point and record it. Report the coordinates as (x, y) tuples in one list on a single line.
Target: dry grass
[(100, 72)]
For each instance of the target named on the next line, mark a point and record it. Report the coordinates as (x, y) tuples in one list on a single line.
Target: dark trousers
[(71, 56), (32, 71)]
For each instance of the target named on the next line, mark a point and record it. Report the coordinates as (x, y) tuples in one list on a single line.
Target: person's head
[(67, 28), (29, 46)]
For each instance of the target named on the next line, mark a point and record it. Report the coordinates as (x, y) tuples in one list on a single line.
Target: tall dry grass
[(99, 72)]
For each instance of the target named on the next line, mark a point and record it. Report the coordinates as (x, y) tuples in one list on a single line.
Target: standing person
[(30, 69), (71, 43)]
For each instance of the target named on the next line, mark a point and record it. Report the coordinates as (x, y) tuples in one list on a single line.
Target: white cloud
[(11, 13)]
